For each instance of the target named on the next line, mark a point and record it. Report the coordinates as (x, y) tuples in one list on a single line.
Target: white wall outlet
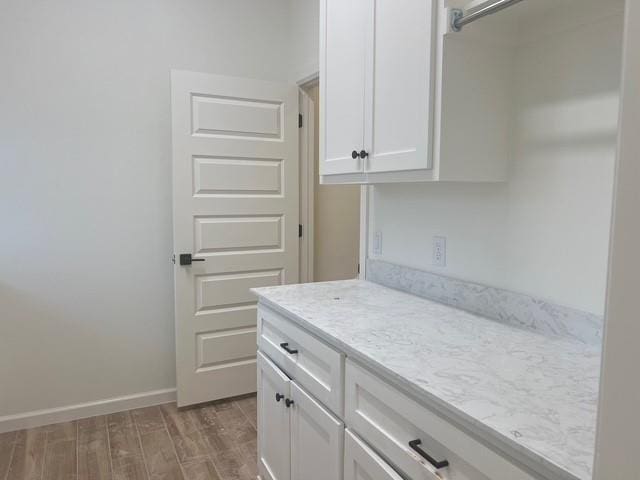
[(377, 243), (439, 251)]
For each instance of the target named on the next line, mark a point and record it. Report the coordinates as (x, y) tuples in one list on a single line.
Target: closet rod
[(459, 19)]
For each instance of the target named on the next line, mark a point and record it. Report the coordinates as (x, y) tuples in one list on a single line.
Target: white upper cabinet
[(419, 100), (404, 98), (376, 85)]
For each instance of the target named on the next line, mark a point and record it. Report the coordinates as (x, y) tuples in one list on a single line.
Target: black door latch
[(187, 259)]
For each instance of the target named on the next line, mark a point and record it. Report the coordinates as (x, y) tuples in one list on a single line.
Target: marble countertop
[(532, 396)]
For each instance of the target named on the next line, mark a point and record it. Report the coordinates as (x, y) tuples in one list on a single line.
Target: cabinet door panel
[(398, 131), (362, 463), (274, 442), (316, 439), (342, 75)]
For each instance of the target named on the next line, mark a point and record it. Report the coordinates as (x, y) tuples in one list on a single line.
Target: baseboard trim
[(38, 418)]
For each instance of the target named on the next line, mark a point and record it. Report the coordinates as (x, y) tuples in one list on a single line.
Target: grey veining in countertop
[(499, 304), (532, 395)]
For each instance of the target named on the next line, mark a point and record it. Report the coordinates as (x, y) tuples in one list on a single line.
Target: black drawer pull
[(285, 347), (415, 446), (279, 397), (354, 154)]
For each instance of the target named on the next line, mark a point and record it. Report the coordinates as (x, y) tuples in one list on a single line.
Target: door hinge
[(300, 230), (299, 120)]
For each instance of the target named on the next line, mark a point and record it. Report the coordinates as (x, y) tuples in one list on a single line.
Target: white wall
[(546, 231), (86, 288), (305, 39)]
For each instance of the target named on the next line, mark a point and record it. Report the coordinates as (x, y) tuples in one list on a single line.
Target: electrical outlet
[(439, 251), (377, 243)]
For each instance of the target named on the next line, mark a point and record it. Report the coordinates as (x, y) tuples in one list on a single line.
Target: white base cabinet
[(298, 439), (383, 435)]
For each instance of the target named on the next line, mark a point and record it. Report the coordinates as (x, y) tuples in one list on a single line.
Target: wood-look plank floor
[(215, 441)]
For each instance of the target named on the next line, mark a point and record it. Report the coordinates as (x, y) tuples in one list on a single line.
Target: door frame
[(308, 177), (307, 184)]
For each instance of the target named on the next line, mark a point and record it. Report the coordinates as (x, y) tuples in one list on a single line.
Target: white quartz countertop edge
[(538, 464)]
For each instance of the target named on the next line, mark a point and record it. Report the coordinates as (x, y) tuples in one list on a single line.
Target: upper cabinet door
[(343, 43), (400, 86)]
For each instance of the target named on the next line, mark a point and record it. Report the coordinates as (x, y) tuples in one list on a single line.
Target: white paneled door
[(235, 222)]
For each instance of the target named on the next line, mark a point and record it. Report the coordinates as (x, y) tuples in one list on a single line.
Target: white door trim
[(307, 186), (366, 194), (309, 79)]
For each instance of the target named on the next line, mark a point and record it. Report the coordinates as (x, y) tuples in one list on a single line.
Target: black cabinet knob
[(288, 402), (279, 397), (363, 154), (354, 154)]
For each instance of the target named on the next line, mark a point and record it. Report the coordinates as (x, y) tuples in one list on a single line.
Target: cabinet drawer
[(362, 463), (413, 438), (312, 363)]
